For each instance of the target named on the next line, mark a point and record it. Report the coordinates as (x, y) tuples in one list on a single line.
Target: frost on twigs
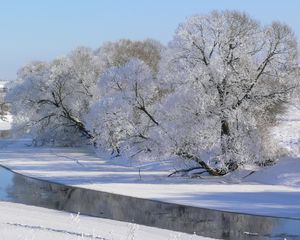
[(228, 75), (211, 97), (121, 118), (49, 100)]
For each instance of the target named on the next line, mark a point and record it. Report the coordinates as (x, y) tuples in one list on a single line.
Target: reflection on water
[(6, 179), (4, 134), (210, 223)]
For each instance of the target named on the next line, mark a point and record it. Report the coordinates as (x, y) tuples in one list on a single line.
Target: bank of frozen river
[(81, 167), (20, 222)]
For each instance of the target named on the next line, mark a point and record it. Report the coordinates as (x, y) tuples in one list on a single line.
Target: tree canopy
[(210, 97)]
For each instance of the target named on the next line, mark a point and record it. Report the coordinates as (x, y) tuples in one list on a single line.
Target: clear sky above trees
[(41, 30)]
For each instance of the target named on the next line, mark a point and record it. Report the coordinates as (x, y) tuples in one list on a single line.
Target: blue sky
[(44, 29)]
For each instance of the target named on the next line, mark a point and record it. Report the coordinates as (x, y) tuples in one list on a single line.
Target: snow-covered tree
[(120, 52), (121, 115), (123, 110), (227, 74), (210, 97), (50, 99)]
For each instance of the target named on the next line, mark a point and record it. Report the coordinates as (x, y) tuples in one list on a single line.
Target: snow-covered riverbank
[(21, 222), (81, 167)]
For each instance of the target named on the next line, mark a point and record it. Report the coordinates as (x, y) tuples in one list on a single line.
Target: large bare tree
[(228, 73)]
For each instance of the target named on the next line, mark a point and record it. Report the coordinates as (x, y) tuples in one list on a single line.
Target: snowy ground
[(288, 132), (79, 167), (20, 222), (5, 125), (273, 191)]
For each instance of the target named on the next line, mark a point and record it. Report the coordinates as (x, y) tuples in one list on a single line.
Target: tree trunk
[(202, 164), (226, 146)]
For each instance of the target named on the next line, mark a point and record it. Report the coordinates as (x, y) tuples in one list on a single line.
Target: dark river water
[(211, 223)]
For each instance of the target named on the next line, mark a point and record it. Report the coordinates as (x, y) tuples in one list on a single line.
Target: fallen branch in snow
[(249, 174), (184, 172), (202, 164)]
